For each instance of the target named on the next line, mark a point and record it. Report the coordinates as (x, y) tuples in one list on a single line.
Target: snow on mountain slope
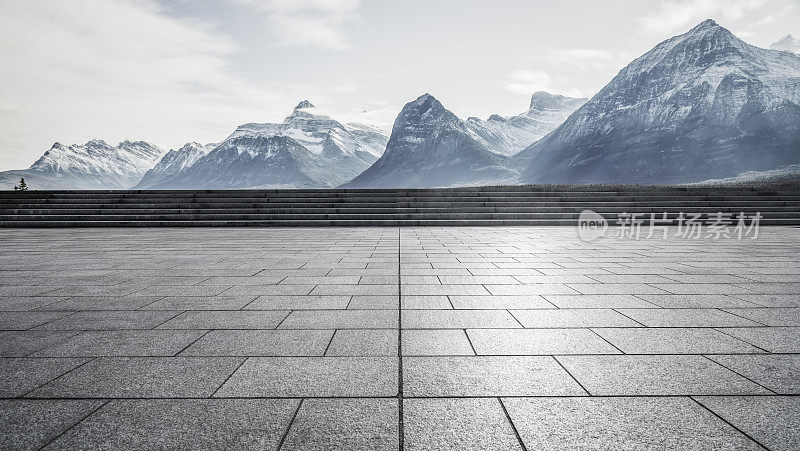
[(94, 165), (697, 106), (260, 162), (509, 135), (173, 162), (431, 147), (787, 43), (318, 152), (312, 128)]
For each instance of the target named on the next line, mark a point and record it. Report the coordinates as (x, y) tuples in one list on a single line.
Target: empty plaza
[(386, 338)]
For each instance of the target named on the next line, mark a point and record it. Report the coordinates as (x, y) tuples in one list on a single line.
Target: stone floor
[(378, 338)]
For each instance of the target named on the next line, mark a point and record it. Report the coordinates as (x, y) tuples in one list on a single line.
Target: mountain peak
[(705, 25), (542, 100), (787, 43), (304, 104)]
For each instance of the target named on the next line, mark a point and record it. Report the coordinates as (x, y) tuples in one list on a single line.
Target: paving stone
[(620, 423), (25, 303), (340, 290), (22, 343), (200, 303), (226, 320), (27, 320), (598, 301), (499, 302), (700, 288), (341, 319), (261, 343), (770, 316), (770, 300), (457, 424), (110, 320), (123, 343), (269, 290), (695, 301), (674, 341), (436, 342), (425, 302), (648, 375), (444, 290), (687, 318), (183, 424), (779, 373), (372, 302), (486, 376), (103, 303), (353, 424), (527, 290), (299, 303), (538, 342), (31, 424), (773, 421), (772, 339), (18, 376), (142, 377), (457, 319), (313, 377), (566, 318), (363, 342)]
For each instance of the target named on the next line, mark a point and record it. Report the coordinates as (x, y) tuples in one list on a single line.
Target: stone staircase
[(480, 206)]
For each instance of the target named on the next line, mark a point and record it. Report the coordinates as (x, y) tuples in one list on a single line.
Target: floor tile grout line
[(325, 353), (469, 340), (741, 375), (570, 375), (289, 426), (400, 407), (216, 390), (193, 342), (592, 329), (692, 397), (617, 309), (511, 423), (740, 339), (103, 404), (89, 360)]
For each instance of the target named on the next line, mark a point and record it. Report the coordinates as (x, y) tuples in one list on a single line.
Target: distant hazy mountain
[(308, 149), (94, 165), (510, 135), (431, 147), (787, 43), (698, 106)]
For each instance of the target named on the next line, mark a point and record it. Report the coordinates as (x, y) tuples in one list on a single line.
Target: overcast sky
[(172, 71)]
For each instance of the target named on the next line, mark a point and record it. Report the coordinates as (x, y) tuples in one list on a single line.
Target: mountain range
[(702, 105)]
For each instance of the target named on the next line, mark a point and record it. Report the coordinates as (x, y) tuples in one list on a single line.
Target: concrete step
[(463, 206)]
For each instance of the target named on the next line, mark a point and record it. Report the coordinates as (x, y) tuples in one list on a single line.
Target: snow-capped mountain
[(94, 165), (697, 106), (787, 43), (319, 133), (431, 147), (173, 162), (510, 135), (259, 162), (309, 149)]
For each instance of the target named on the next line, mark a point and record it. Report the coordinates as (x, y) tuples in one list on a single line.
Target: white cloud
[(81, 69), (678, 16), (317, 23), (526, 82)]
